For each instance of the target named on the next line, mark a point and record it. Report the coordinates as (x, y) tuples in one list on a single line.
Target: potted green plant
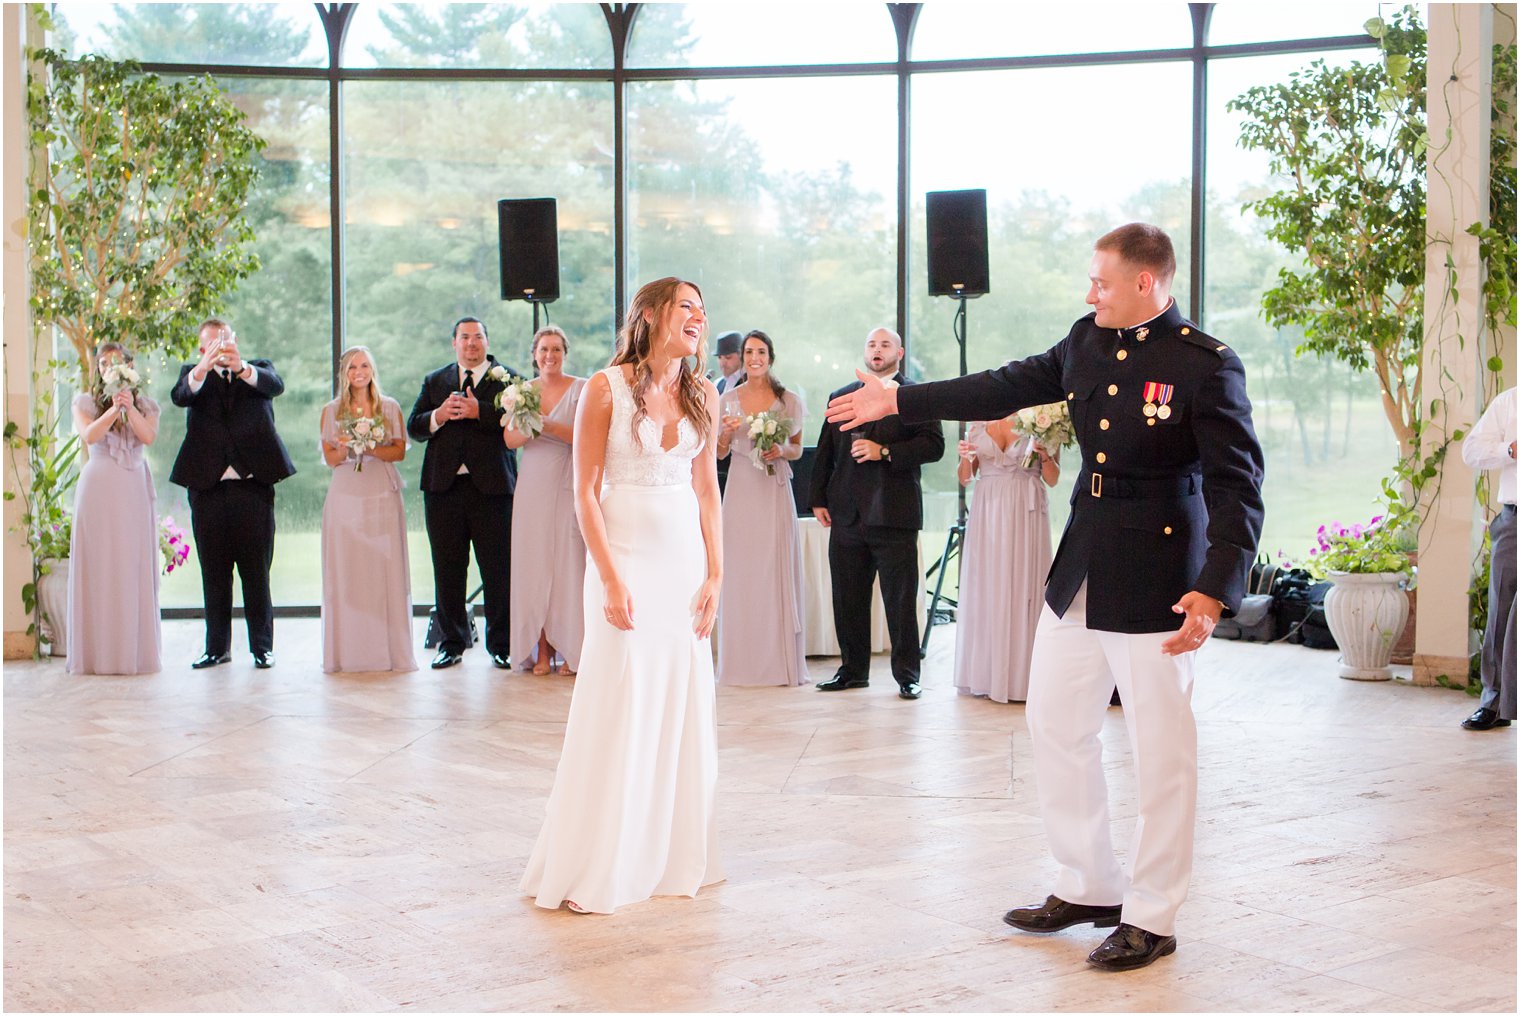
[(45, 488), (1366, 608)]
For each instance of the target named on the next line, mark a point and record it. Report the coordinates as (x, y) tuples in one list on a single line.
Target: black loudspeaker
[(529, 229), (958, 243)]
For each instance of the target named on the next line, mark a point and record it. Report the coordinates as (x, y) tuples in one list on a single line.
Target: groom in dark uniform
[(468, 476), (229, 463), (1163, 528), (865, 490)]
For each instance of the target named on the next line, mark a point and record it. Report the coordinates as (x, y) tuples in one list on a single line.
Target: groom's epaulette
[(1192, 333)]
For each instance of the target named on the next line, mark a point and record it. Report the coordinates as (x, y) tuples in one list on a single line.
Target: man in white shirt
[(1491, 445)]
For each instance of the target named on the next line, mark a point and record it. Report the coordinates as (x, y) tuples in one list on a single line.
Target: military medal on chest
[(1157, 399)]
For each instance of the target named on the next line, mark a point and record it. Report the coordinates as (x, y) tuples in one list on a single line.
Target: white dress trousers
[(1073, 671)]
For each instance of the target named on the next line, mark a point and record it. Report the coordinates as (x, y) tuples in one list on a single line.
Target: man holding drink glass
[(230, 461)]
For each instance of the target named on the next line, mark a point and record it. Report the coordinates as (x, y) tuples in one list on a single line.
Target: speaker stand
[(957, 534)]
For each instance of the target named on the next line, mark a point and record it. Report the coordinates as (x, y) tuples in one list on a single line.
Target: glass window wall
[(760, 34), (952, 30), (260, 35), (477, 35)]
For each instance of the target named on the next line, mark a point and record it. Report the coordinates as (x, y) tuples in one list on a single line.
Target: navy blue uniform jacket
[(1165, 503)]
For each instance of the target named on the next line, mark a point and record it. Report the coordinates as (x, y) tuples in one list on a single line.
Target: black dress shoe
[(501, 661), (1056, 914), (210, 660), (911, 690), (446, 658), (1484, 719), (263, 661), (839, 682), (1130, 948)]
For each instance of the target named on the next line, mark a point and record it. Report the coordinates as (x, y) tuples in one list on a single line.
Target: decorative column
[(1456, 344), (20, 349)]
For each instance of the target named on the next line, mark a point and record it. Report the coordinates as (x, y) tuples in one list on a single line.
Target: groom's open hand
[(874, 399)]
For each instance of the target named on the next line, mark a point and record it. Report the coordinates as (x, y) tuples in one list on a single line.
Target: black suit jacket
[(227, 420), (1167, 501), (881, 493), (475, 444)]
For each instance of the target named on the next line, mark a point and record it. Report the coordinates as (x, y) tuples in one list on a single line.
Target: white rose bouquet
[(120, 377), (361, 434), (521, 404), (766, 431), (1050, 426)]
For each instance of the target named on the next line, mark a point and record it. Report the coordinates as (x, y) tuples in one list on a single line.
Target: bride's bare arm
[(593, 418), (704, 480)]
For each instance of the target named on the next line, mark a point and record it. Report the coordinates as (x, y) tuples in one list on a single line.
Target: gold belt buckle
[(1096, 488)]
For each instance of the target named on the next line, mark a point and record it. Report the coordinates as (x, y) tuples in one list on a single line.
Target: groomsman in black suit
[(865, 489), (730, 371), (231, 459), (468, 476)]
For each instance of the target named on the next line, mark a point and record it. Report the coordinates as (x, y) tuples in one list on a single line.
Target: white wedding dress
[(631, 814)]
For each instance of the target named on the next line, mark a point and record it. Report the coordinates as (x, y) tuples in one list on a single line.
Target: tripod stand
[(956, 537)]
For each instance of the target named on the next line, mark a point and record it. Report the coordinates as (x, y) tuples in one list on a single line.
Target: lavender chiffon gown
[(114, 561), (366, 576), (760, 634), (1003, 569), (548, 554)]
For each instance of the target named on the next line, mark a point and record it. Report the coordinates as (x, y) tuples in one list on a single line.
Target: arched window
[(478, 35), (760, 34), (949, 30), (259, 35), (1231, 24)]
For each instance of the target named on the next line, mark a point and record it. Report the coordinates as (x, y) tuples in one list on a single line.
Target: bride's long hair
[(636, 346)]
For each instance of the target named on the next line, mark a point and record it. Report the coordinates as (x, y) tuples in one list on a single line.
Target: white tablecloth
[(818, 593)]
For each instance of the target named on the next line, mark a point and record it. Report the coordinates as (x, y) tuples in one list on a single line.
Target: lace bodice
[(644, 463)]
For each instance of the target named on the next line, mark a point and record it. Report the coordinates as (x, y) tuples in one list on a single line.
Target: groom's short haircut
[(1144, 246), (211, 322), (467, 320)]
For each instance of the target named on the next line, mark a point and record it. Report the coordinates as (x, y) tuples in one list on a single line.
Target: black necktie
[(227, 375), (469, 381)]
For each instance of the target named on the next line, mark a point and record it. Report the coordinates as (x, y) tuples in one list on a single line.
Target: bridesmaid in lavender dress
[(1004, 561), (548, 554), (760, 636), (366, 576), (114, 559)]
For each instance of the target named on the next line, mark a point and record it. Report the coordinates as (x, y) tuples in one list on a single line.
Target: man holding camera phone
[(230, 461)]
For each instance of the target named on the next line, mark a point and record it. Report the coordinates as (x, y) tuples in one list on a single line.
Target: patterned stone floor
[(284, 840)]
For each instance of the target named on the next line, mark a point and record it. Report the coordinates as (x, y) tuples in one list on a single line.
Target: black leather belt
[(1102, 485)]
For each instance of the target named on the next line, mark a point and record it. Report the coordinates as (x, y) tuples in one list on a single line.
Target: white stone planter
[(1366, 614), (53, 599)]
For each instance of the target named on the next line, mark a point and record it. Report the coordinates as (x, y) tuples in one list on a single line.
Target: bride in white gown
[(631, 814)]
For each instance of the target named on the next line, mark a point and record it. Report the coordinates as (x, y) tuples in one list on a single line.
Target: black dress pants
[(457, 519), (233, 525), (858, 554)]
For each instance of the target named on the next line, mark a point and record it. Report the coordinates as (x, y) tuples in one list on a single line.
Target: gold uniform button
[(1121, 354), (1102, 458), (1113, 389), (1185, 331), (1071, 395), (1167, 530), (1102, 424)]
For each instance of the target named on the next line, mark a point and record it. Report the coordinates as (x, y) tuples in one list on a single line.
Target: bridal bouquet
[(172, 544), (361, 434), (1050, 426), (767, 430), (522, 406), (120, 377)]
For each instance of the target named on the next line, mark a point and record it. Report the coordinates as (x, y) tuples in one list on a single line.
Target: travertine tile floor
[(285, 840)]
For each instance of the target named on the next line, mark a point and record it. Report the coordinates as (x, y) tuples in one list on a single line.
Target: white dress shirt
[(1487, 445)]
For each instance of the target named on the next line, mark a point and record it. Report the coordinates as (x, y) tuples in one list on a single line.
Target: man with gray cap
[(729, 349)]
